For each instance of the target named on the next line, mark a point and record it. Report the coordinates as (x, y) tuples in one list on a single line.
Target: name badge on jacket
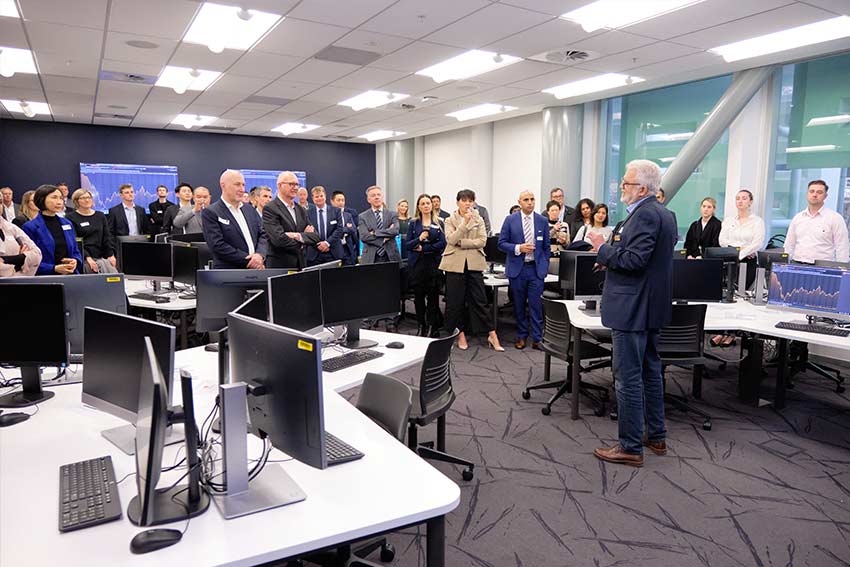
[(84, 223), (67, 227), (225, 222), (332, 222)]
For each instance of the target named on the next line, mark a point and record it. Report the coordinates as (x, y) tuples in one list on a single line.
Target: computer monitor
[(204, 255), (812, 290), (728, 253), (185, 263), (766, 258), (118, 246), (698, 280), (295, 301), (147, 261), (221, 291), (37, 337), (323, 266), (285, 367), (102, 291), (256, 306), (191, 237), (578, 277), (492, 252), (832, 264)]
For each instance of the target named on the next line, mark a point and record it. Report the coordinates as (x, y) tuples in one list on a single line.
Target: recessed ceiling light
[(28, 109), (592, 85), (189, 121), (469, 64), (141, 44), (613, 14), (8, 9), (221, 27), (807, 149), (809, 34), (480, 111), (827, 120), (183, 79), (381, 135), (372, 99), (13, 60), (295, 128)]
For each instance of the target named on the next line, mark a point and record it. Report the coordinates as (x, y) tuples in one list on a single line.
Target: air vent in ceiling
[(108, 115), (135, 78), (565, 56), (347, 55), (273, 100), (406, 106), (220, 129), (338, 137)]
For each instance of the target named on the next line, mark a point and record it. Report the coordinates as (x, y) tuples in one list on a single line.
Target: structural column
[(561, 156), (400, 178)]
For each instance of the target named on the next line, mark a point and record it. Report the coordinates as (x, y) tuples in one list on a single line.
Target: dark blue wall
[(32, 153)]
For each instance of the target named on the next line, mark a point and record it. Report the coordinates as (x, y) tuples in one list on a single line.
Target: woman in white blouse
[(19, 255)]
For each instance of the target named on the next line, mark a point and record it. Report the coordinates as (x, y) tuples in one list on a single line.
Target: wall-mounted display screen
[(103, 180), (268, 177)]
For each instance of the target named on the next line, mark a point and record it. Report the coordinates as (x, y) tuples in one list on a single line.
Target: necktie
[(379, 221), (322, 224), (528, 232)]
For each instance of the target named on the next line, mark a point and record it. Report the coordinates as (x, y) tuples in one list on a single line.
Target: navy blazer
[(512, 234), (37, 230), (434, 244), (224, 238), (352, 235), (638, 291), (118, 226), (333, 236)]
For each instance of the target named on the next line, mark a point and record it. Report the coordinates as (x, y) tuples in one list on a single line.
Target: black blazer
[(698, 239), (157, 215), (118, 222), (224, 238), (285, 252), (333, 237)]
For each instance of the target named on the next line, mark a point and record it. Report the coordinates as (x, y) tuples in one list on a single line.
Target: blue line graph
[(103, 180)]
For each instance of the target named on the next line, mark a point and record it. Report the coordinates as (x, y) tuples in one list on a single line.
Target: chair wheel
[(545, 410), (526, 395), (600, 411), (613, 416), (706, 425), (839, 389), (467, 474), (387, 552)]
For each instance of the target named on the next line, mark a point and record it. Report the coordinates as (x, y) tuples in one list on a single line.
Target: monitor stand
[(31, 392), (353, 340), (69, 376), (124, 436)]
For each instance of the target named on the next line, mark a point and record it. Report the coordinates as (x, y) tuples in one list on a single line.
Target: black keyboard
[(88, 495), (338, 451), (819, 329), (151, 297), (349, 359)]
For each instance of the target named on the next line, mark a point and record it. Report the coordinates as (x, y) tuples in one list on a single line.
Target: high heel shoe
[(494, 346), (463, 347)]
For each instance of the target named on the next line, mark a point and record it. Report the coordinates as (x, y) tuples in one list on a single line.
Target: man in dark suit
[(327, 221), (157, 209), (127, 219), (378, 227), (525, 241), (350, 238), (10, 208), (636, 304), (232, 230), (436, 202), (567, 212), (285, 222)]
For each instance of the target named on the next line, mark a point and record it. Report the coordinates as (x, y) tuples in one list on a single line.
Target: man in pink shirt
[(817, 233)]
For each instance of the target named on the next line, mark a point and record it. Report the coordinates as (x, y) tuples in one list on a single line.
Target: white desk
[(176, 304), (389, 488), (494, 283)]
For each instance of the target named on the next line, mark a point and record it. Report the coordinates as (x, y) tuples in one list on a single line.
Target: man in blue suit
[(327, 221), (636, 304), (235, 238), (351, 236), (525, 241)]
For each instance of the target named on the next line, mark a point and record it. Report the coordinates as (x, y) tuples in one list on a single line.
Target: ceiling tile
[(551, 7), (207, 109), (117, 49), (412, 85), (654, 53), (235, 84), (12, 33), (555, 33), (83, 13), (497, 95), (75, 85), (56, 63), (840, 7), (319, 72), (200, 57), (556, 78), (346, 14), (486, 26), (219, 98), (111, 121), (372, 41), (166, 95), (679, 65), (21, 81), (330, 95), (515, 74), (612, 42), (248, 111), (70, 41), (287, 89), (123, 94), (416, 19), (264, 65), (304, 107), (157, 18), (70, 99), (68, 115), (300, 37), (416, 56), (457, 89), (369, 78)]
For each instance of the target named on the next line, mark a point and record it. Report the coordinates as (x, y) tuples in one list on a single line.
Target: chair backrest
[(387, 402), (683, 336), (554, 266), (556, 327), (435, 380)]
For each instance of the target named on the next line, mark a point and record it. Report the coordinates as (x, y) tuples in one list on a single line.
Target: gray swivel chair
[(553, 290)]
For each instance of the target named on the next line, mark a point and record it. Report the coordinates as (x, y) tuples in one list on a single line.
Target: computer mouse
[(161, 299), (395, 344), (212, 347), (151, 540), (8, 419)]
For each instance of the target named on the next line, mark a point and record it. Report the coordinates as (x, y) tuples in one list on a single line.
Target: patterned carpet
[(762, 488)]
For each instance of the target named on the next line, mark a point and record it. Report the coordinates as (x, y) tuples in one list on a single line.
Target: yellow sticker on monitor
[(304, 345), (113, 280)]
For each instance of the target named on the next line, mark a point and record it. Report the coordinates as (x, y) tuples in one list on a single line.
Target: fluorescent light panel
[(677, 137), (592, 85), (13, 60), (221, 27), (36, 107), (480, 111), (469, 64), (613, 14), (181, 80), (381, 135), (189, 121), (809, 34), (372, 99), (295, 128), (828, 120), (807, 149), (8, 9)]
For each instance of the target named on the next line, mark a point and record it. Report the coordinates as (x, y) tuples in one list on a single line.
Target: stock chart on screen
[(810, 288), (268, 177), (103, 180)]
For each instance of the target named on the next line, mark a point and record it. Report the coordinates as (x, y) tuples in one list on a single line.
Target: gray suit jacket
[(373, 238), (485, 216), (11, 211), (190, 222)]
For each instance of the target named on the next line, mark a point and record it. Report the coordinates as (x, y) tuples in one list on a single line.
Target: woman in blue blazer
[(53, 235), (425, 243)]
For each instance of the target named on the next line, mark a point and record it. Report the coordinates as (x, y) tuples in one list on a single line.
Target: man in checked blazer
[(378, 237), (286, 225)]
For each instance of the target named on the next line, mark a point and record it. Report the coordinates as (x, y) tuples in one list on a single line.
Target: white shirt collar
[(232, 208)]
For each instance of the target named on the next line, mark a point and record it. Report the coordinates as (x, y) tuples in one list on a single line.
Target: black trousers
[(426, 292), (466, 302)]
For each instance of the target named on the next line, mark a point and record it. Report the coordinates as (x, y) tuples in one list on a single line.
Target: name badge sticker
[(436, 226), (67, 227), (84, 223), (225, 222), (539, 238), (617, 238), (332, 222)]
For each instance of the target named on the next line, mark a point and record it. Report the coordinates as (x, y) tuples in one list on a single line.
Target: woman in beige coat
[(463, 262), (19, 256)]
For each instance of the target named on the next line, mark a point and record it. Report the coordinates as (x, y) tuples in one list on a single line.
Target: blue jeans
[(640, 388)]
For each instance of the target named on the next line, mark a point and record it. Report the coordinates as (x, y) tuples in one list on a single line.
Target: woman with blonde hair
[(426, 240), (28, 209), (403, 210), (93, 228)]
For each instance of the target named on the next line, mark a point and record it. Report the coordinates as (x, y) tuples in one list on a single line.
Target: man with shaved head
[(235, 238), (285, 221)]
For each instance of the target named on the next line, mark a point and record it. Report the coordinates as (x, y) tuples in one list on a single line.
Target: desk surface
[(390, 487), (176, 304)]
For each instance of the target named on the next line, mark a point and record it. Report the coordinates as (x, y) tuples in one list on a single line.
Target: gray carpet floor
[(763, 488)]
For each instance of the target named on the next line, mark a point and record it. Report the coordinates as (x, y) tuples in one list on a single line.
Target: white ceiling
[(74, 40)]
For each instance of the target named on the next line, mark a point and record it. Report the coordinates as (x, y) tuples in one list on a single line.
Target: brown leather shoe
[(616, 455), (520, 344), (536, 345), (657, 447)]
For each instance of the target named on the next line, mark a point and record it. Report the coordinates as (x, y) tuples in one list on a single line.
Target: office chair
[(432, 400), (557, 342), (553, 290), (803, 364)]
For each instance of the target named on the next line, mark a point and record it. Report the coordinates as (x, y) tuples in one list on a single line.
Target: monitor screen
[(114, 350), (185, 263), (147, 260), (766, 258), (728, 253), (813, 290), (37, 333), (150, 429), (577, 275), (358, 292), (296, 301), (492, 251), (268, 177), (288, 366), (103, 180), (255, 307), (221, 291), (698, 280)]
